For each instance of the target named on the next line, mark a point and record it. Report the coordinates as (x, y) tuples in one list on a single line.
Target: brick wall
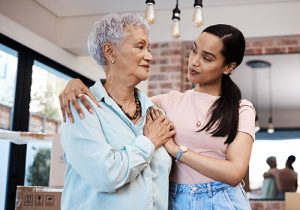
[(169, 66), (166, 68)]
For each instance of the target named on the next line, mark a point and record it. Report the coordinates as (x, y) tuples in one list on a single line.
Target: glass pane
[(8, 73), (45, 114), (45, 117), (37, 163)]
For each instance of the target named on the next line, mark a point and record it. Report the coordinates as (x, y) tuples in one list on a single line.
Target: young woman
[(215, 128)]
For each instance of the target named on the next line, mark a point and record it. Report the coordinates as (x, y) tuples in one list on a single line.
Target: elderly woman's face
[(133, 56)]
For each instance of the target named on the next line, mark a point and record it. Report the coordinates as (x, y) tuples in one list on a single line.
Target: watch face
[(183, 148)]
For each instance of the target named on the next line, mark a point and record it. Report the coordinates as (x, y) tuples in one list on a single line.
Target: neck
[(121, 92), (211, 90)]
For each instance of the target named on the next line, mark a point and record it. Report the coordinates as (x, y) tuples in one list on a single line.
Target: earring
[(113, 61)]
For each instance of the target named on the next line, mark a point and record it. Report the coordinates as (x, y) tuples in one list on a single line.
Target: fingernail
[(71, 120), (91, 111), (81, 116)]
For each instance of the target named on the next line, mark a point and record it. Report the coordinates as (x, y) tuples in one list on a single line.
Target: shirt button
[(194, 188)]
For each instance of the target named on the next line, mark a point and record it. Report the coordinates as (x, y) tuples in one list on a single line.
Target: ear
[(229, 68), (108, 52)]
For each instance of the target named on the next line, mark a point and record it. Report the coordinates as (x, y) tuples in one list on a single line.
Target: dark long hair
[(289, 162), (225, 110)]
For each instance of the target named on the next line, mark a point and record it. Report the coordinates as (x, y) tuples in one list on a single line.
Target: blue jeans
[(206, 196)]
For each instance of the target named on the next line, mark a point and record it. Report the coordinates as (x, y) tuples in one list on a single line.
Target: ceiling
[(71, 8)]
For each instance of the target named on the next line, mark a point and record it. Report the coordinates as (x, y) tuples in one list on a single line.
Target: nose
[(148, 56), (194, 60)]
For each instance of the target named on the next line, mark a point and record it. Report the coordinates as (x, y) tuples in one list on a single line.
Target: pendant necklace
[(198, 123)]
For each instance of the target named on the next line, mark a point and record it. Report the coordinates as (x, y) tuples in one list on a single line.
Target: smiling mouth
[(145, 66)]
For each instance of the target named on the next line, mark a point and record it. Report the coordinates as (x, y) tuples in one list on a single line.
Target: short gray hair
[(110, 29)]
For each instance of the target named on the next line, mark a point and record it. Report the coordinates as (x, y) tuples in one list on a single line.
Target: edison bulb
[(149, 13), (198, 17), (175, 29)]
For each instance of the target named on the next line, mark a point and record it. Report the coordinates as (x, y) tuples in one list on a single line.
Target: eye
[(140, 46), (207, 59)]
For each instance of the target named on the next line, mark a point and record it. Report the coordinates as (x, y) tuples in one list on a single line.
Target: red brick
[(253, 51), (166, 85), (293, 49), (261, 42), (177, 59), (152, 85), (287, 41), (275, 50), (158, 77), (154, 46), (163, 61), (171, 52), (170, 69), (164, 45)]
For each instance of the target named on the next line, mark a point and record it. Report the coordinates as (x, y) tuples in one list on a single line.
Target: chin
[(190, 78), (143, 77)]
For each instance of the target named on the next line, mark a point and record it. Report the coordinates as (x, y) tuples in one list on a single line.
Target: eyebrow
[(205, 52)]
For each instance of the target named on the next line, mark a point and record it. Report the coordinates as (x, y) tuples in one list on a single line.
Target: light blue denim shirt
[(111, 165)]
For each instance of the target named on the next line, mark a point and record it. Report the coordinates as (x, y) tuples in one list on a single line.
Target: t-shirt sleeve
[(247, 118), (161, 101)]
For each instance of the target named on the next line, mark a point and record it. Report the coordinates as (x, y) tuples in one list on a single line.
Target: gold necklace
[(198, 123)]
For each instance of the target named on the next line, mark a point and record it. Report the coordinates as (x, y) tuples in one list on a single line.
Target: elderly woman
[(115, 155)]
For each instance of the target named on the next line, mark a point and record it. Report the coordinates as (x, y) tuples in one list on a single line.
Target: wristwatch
[(182, 149)]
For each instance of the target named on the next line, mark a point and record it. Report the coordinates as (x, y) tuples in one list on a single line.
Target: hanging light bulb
[(270, 126), (176, 19), (149, 13), (197, 16)]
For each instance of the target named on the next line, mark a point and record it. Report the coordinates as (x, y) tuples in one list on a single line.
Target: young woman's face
[(133, 55), (206, 63)]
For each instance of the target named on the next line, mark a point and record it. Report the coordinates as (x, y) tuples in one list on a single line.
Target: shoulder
[(244, 103), (167, 98), (246, 106)]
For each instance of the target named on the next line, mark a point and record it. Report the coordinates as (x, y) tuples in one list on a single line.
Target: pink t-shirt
[(181, 110)]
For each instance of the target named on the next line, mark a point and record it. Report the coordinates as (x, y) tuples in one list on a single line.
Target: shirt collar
[(100, 94)]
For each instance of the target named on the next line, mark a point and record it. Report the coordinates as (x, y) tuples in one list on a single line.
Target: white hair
[(110, 29)]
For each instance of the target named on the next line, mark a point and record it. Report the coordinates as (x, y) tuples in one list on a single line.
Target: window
[(281, 144), (22, 71)]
